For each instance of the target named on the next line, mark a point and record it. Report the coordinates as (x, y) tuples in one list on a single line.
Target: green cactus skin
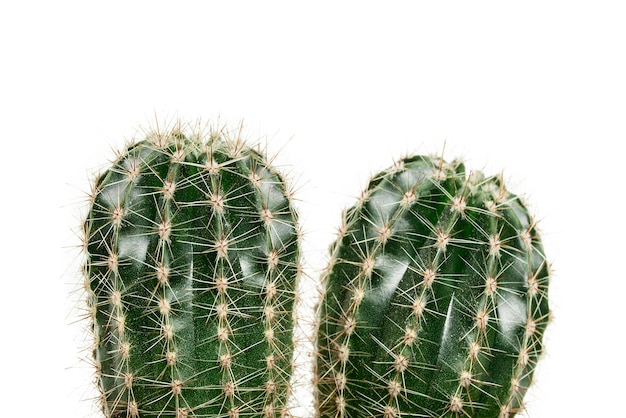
[(435, 300), (192, 262)]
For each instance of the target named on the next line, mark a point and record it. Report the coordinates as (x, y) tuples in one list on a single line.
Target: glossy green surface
[(192, 263), (436, 298)]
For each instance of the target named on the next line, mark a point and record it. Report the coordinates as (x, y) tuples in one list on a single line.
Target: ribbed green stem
[(436, 298), (192, 267)]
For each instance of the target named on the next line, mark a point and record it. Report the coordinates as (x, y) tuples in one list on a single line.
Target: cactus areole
[(435, 299), (192, 263)]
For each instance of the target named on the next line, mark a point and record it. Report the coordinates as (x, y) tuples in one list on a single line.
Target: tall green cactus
[(435, 299), (192, 263)]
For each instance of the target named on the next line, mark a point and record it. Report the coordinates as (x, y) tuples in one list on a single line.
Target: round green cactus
[(435, 299), (191, 272)]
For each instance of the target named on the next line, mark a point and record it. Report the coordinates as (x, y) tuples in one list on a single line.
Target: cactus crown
[(435, 298), (192, 264)]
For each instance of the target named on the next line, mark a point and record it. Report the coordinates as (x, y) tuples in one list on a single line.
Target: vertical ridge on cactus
[(191, 272), (435, 299)]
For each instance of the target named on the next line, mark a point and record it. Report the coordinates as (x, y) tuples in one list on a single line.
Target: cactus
[(191, 270), (434, 305), (435, 300)]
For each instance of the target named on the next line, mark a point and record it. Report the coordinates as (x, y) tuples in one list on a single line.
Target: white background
[(536, 89)]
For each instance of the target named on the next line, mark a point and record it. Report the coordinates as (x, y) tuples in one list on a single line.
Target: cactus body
[(435, 299), (192, 262)]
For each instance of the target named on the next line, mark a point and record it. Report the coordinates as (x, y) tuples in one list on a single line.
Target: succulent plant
[(434, 304), (191, 273), (435, 299)]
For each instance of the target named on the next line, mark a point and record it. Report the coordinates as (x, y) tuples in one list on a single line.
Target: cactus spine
[(192, 263), (435, 299)]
